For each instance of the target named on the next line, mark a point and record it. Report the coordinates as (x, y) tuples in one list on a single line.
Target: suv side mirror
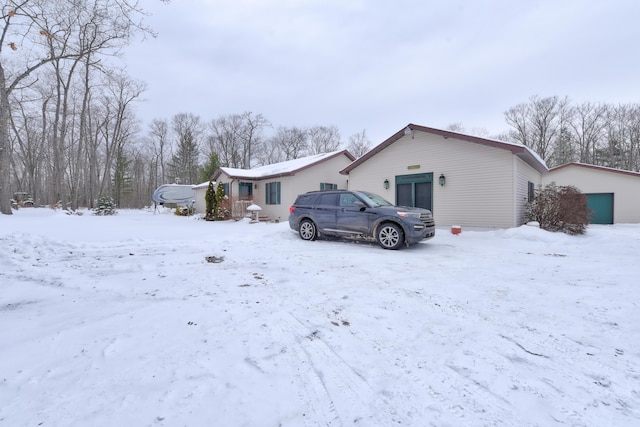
[(361, 206)]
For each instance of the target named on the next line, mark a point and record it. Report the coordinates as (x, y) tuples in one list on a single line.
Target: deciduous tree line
[(65, 121), (187, 150), (68, 130), (561, 131)]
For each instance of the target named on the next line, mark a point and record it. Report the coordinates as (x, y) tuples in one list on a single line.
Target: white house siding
[(624, 186), (524, 175), (479, 178), (310, 179), (201, 192)]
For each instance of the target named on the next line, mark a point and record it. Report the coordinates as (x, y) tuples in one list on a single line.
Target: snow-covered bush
[(105, 206), (222, 204), (183, 210), (561, 208)]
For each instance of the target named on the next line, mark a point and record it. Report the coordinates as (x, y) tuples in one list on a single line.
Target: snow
[(285, 167), (144, 319)]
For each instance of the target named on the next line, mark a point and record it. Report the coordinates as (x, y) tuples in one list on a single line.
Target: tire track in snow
[(337, 394)]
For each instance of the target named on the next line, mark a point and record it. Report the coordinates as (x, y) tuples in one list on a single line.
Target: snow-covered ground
[(123, 321)]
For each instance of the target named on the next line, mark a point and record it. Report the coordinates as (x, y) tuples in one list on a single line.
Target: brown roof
[(601, 168), (521, 151)]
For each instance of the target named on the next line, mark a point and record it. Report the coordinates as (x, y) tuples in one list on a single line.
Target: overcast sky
[(381, 64)]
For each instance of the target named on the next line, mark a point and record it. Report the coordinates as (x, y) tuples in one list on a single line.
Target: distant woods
[(561, 131)]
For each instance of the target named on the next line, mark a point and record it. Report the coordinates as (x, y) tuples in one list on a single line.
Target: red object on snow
[(456, 229)]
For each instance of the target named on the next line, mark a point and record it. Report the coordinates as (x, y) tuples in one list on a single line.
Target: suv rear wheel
[(308, 230), (390, 236)]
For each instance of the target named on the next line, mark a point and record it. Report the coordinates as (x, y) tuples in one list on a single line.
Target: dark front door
[(415, 190)]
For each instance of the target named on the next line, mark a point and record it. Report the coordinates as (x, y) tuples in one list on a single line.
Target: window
[(530, 191), (272, 193), (246, 190), (330, 199), (347, 200), (327, 186), (225, 186)]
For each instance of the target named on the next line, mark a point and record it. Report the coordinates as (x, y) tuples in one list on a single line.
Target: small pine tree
[(220, 198), (105, 206), (210, 201)]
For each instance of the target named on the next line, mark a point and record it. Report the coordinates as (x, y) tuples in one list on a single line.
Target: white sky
[(378, 65)]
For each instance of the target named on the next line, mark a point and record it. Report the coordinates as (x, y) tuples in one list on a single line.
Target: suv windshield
[(373, 200)]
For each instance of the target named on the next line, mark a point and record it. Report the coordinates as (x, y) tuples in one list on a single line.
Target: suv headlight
[(409, 214)]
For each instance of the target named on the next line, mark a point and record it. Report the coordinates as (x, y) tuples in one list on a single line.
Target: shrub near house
[(561, 208)]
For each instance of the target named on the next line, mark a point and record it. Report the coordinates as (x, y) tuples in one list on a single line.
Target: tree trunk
[(5, 154)]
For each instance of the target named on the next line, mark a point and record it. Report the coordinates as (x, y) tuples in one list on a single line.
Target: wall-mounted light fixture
[(442, 180), (408, 131), (385, 184)]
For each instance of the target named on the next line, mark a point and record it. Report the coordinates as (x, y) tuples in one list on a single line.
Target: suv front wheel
[(390, 236), (308, 230)]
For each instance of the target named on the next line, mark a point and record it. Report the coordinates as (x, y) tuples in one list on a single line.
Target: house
[(465, 180), (275, 187), (613, 194)]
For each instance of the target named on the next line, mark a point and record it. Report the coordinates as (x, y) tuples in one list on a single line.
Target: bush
[(561, 208), (210, 201), (105, 206), (222, 206), (183, 211)]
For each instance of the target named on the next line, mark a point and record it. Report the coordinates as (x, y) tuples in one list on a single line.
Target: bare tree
[(158, 137), (269, 152), (538, 123), (292, 141), (251, 135), (34, 33), (359, 144), (587, 127), (236, 138), (225, 139), (323, 139), (184, 165)]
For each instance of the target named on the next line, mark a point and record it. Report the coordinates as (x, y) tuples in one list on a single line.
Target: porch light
[(442, 180), (385, 184)]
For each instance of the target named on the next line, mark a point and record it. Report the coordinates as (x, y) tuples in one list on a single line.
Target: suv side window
[(307, 199), (347, 200), (330, 199)]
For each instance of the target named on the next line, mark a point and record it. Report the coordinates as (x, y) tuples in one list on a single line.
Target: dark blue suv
[(359, 215)]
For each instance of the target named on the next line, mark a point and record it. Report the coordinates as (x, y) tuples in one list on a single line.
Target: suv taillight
[(291, 209)]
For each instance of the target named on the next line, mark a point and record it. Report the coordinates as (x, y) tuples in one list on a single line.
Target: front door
[(415, 190)]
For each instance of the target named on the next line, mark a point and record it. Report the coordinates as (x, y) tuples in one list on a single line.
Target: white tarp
[(174, 193)]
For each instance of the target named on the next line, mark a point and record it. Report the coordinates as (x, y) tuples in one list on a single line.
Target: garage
[(612, 194), (601, 204)]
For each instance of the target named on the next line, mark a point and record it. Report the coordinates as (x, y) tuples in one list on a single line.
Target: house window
[(246, 190), (530, 191), (225, 186), (327, 186), (272, 193)]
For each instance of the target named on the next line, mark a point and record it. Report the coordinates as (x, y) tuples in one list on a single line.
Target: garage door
[(602, 206)]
